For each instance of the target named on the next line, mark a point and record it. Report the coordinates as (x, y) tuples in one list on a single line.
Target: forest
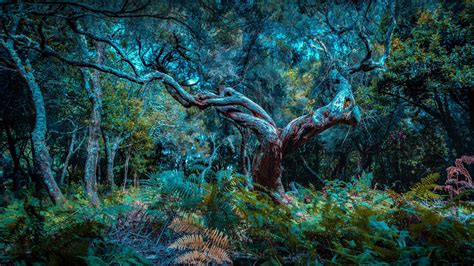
[(236, 132)]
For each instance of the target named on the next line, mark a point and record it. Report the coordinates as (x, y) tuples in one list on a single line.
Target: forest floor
[(177, 219)]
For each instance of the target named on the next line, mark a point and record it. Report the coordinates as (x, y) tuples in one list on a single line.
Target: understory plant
[(220, 219)]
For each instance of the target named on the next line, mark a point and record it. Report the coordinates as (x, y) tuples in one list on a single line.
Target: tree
[(41, 154), (431, 71), (173, 66)]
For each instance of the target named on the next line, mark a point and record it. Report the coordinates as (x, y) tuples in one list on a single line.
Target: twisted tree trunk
[(41, 156), (267, 163), (275, 143)]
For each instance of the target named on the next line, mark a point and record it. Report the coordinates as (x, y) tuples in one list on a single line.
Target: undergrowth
[(219, 219)]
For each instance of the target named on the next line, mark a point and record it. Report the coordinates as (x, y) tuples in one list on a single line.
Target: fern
[(204, 245), (423, 190), (195, 241), (193, 258), (185, 225)]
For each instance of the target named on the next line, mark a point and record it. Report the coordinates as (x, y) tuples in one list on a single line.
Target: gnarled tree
[(274, 142)]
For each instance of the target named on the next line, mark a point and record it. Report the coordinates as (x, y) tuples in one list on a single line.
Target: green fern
[(423, 190)]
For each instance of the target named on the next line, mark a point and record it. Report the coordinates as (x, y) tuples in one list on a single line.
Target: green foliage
[(423, 190), (346, 223), (35, 232), (209, 199)]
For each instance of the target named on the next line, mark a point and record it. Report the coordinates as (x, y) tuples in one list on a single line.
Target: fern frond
[(205, 245), (185, 225), (424, 189), (194, 241), (218, 254), (193, 258), (217, 238)]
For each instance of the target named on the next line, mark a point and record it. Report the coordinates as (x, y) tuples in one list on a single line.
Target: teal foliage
[(35, 232), (345, 223)]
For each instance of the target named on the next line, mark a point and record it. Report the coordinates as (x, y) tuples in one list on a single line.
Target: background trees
[(107, 124)]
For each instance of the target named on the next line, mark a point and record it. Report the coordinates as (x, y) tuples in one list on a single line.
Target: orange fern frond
[(218, 254), (193, 258), (217, 238), (194, 241), (204, 245), (185, 225)]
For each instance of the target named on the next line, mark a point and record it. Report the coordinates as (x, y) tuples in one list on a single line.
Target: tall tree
[(41, 154)]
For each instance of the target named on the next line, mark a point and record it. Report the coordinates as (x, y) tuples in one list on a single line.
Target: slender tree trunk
[(70, 152), (112, 145), (90, 176), (135, 179), (41, 157), (125, 168), (15, 159)]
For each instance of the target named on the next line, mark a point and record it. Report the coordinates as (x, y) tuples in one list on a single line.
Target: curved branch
[(122, 13), (341, 110), (264, 131), (229, 96)]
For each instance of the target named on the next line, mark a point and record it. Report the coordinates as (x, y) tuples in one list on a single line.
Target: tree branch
[(341, 110)]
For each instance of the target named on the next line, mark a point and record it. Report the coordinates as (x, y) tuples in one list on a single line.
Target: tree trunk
[(276, 143), (15, 159), (41, 157), (92, 158), (90, 176), (267, 166), (125, 168), (70, 152), (135, 180), (112, 145)]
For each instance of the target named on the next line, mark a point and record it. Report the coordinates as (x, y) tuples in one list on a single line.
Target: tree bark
[(112, 145), (41, 156), (15, 159), (125, 168), (267, 166), (92, 157), (70, 152)]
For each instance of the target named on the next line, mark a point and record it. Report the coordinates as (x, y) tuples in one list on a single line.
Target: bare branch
[(132, 13), (75, 27), (368, 64)]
